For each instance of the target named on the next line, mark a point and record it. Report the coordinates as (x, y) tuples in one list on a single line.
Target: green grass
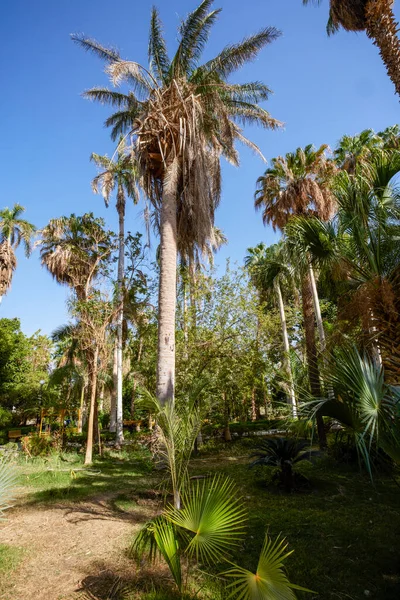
[(10, 558), (66, 478), (343, 530)]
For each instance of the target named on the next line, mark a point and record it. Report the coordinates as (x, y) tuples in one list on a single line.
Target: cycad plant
[(283, 453)]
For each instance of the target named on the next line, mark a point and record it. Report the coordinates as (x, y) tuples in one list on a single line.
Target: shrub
[(36, 445)]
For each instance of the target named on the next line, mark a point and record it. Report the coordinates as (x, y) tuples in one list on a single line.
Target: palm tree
[(300, 184), (376, 18), (74, 250), (118, 174), (268, 269), (362, 246), (183, 116), (13, 231), (354, 150)]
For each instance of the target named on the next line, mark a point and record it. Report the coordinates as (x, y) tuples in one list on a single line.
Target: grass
[(10, 558), (343, 529)]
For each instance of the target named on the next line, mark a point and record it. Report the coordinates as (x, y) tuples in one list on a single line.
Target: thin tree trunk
[(192, 292), (253, 405), (113, 409), (133, 398), (81, 406), (93, 386), (311, 350), (382, 29), (185, 321), (320, 326), (227, 431), (292, 397), (167, 301), (121, 256)]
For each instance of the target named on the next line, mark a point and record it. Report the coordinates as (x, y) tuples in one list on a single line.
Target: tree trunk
[(311, 350), (93, 386), (292, 397), (120, 300), (320, 327), (185, 320), (253, 405), (227, 431), (167, 301), (113, 409), (382, 29), (81, 407)]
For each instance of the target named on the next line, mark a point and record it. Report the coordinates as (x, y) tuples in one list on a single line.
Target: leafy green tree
[(183, 116)]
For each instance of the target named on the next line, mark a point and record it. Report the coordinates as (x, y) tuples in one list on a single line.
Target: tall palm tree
[(13, 231), (74, 250), (354, 150), (376, 18), (268, 268), (119, 174), (300, 184), (183, 116)]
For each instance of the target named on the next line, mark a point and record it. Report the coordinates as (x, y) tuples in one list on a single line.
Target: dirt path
[(69, 547)]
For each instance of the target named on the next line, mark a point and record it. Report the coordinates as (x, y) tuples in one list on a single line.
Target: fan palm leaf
[(269, 581), (7, 486), (213, 516)]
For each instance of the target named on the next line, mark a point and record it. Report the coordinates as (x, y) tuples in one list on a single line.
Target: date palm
[(117, 174), (300, 184), (376, 18), (13, 232), (268, 268), (182, 116)]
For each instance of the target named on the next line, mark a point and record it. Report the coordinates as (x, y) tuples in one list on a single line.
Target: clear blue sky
[(323, 87)]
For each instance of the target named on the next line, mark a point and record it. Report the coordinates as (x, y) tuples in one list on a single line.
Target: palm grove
[(306, 332)]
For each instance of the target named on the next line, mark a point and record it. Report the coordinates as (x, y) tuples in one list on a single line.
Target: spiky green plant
[(177, 430)]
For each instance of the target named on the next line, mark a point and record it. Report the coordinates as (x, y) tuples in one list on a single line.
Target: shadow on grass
[(107, 477)]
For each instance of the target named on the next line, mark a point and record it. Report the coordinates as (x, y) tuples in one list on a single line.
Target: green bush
[(5, 417), (36, 445)]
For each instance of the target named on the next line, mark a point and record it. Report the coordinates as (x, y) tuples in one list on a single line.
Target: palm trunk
[(113, 409), (253, 405), (93, 386), (185, 322), (320, 326), (192, 291), (167, 301), (311, 350), (292, 397), (81, 406), (120, 318), (382, 29)]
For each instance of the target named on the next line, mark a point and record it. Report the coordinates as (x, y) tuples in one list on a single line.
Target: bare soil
[(71, 547)]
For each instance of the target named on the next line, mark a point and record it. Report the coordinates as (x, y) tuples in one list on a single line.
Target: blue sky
[(323, 87)]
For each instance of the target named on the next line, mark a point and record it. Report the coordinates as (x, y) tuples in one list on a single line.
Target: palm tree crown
[(376, 18), (297, 184), (184, 115), (13, 232)]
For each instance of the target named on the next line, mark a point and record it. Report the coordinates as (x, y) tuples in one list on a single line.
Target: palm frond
[(8, 482), (158, 55), (269, 580), (109, 55), (213, 515)]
